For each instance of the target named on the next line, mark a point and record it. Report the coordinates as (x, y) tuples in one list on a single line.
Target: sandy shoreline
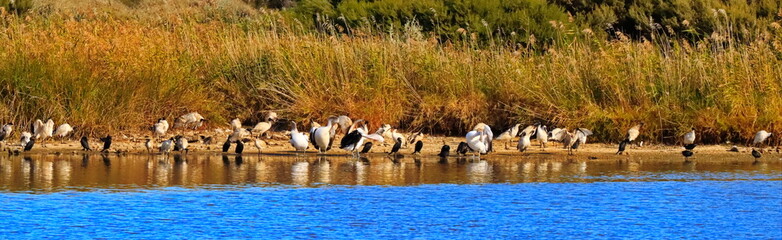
[(279, 145)]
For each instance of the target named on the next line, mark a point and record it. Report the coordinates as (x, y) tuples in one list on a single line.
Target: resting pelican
[(63, 130), (355, 138), (542, 135), (160, 128), (509, 134), (479, 139), (193, 118), (760, 137), (298, 140), (323, 137), (43, 130), (263, 127)]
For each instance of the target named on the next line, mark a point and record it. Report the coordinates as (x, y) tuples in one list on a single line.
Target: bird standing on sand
[(479, 139), (43, 130), (760, 137), (29, 145), (509, 134), (85, 145), (323, 137), (263, 127), (180, 144), (355, 138), (577, 138), (524, 141), (239, 147), (160, 128), (542, 135), (632, 134), (418, 146), (298, 140), (192, 118), (106, 143), (26, 137), (63, 130)]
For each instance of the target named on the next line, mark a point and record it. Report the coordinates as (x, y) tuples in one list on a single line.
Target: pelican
[(85, 145), (509, 134), (160, 128), (355, 138), (63, 130), (180, 144), (263, 127), (323, 137), (298, 140), (760, 137), (43, 130), (344, 123), (542, 135), (193, 118), (106, 143), (479, 139), (165, 146)]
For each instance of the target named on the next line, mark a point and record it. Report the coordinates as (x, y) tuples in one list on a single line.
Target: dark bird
[(418, 146), (367, 147), (85, 145), (687, 154), (444, 151), (622, 146), (396, 146), (29, 145), (206, 140), (690, 146), (463, 148), (106, 143), (227, 144), (239, 147), (756, 154)]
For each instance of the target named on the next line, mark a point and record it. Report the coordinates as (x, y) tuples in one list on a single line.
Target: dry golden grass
[(116, 68)]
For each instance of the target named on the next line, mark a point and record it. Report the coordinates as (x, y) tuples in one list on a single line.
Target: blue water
[(702, 209)]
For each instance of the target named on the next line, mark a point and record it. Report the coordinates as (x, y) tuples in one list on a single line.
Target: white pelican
[(509, 134), (542, 135), (323, 137), (760, 137), (479, 139), (298, 140), (192, 118), (632, 134), (556, 134), (263, 127), (63, 130), (355, 138)]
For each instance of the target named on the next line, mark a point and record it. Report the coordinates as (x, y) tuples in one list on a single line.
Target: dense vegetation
[(121, 65)]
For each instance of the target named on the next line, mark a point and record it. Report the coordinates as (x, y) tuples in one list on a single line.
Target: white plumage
[(298, 140), (236, 124), (510, 133), (344, 123), (689, 138), (63, 130), (160, 127), (322, 136), (524, 141), (557, 134), (582, 134), (634, 131), (166, 145), (6, 131), (26, 136), (479, 139), (760, 137), (264, 126), (192, 118), (542, 135)]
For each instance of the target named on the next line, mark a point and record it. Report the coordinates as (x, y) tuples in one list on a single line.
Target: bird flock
[(356, 137)]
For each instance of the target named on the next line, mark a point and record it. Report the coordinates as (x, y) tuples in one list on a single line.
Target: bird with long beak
[(298, 140), (323, 137), (63, 131), (524, 141), (760, 137), (263, 127), (355, 138), (479, 139), (509, 134), (180, 144), (541, 133), (195, 119)]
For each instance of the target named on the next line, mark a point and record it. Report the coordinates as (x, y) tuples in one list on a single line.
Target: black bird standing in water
[(622, 146), (444, 151), (463, 148), (106, 143), (396, 147), (85, 145), (756, 154), (239, 147), (418, 146), (367, 147), (687, 154), (227, 145), (29, 145)]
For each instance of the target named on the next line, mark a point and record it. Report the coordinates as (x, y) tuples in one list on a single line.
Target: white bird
[(509, 134), (556, 134), (582, 134), (542, 135), (313, 125), (524, 141), (43, 130), (6, 131), (63, 130), (258, 143), (479, 139), (165, 146), (26, 137), (37, 128), (396, 135), (238, 134), (323, 137), (633, 132), (353, 141), (418, 136), (236, 124), (160, 127), (344, 123), (760, 137), (192, 118), (689, 138), (264, 126), (298, 140), (181, 143)]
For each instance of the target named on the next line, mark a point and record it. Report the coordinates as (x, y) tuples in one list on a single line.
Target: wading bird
[(63, 131), (165, 146), (524, 142), (180, 144), (263, 127), (298, 140), (542, 135), (444, 151), (106, 143), (43, 130), (760, 137), (509, 134), (396, 147), (323, 137), (258, 145), (479, 139), (85, 145), (192, 118)]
